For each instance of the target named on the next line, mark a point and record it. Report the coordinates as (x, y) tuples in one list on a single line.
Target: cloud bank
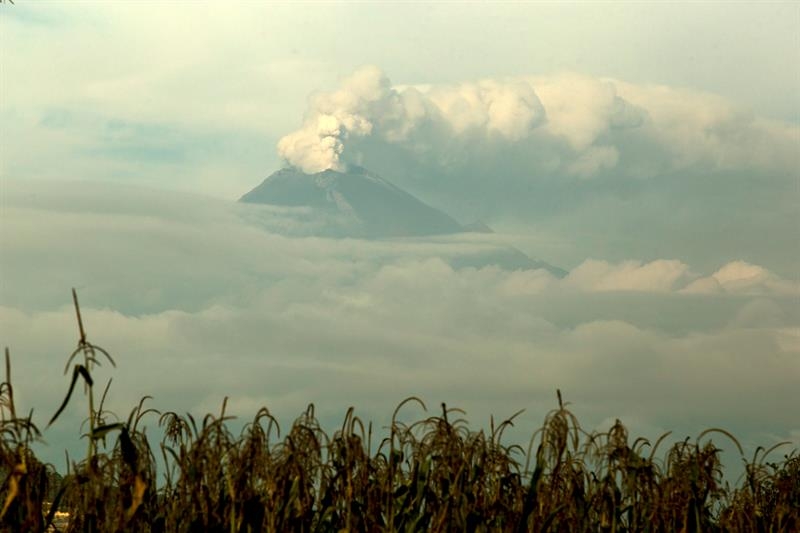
[(568, 124), (180, 287)]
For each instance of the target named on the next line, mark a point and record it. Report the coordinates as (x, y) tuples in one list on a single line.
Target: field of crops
[(435, 474)]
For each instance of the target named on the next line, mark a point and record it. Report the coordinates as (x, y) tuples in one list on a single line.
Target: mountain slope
[(359, 204), (368, 204)]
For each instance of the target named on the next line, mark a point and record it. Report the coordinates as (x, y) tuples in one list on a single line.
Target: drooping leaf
[(80, 370)]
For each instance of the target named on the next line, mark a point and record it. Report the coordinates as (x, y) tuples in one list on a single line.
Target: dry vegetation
[(432, 475)]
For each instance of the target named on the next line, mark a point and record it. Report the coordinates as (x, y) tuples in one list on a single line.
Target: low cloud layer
[(178, 287)]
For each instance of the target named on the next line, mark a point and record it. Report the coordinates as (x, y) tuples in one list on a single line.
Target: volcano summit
[(360, 204), (363, 204)]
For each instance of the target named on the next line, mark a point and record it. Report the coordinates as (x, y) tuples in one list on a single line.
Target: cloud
[(581, 109), (90, 227), (659, 171), (197, 302), (367, 104), (566, 123), (509, 109), (612, 168), (744, 278), (336, 116), (706, 130), (656, 276)]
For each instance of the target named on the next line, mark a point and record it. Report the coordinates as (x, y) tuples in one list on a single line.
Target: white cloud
[(740, 272), (366, 104), (575, 124), (364, 96), (744, 278), (656, 276), (508, 108), (581, 108), (697, 128)]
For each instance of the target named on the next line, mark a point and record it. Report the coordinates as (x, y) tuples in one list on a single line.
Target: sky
[(649, 149)]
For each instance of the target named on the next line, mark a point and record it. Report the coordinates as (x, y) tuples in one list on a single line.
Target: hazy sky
[(649, 148), (196, 99)]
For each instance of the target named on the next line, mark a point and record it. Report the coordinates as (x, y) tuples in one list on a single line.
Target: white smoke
[(567, 124), (364, 98), (367, 104)]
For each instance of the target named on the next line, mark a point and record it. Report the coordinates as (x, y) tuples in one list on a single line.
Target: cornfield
[(434, 474)]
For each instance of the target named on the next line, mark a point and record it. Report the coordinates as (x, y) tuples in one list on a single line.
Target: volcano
[(360, 204), (364, 204)]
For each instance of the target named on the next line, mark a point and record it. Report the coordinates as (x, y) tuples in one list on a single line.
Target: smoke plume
[(566, 124)]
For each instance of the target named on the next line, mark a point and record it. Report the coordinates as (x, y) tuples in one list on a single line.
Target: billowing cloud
[(611, 168), (567, 123), (656, 276), (581, 109), (745, 278), (367, 104), (706, 129)]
